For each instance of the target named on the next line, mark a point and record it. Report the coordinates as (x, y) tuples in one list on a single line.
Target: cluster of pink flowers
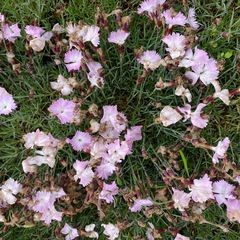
[(106, 151), (203, 190), (110, 140)]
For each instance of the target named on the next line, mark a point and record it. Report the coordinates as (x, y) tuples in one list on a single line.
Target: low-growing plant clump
[(104, 137)]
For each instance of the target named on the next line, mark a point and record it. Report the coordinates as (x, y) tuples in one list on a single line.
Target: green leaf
[(184, 161), (228, 54)]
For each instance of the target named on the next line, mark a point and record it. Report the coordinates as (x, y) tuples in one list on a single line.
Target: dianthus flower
[(150, 6), (169, 116), (108, 192), (105, 169), (201, 190), (119, 37), (90, 34), (207, 71), (181, 199), (63, 109), (220, 150), (150, 60), (84, 172), (43, 203), (114, 121), (81, 141), (37, 138), (89, 229), (195, 116), (7, 103), (62, 85), (45, 156), (233, 210), (111, 231), (8, 191), (193, 58), (71, 233), (223, 191), (176, 45), (94, 74), (191, 19), (73, 60), (183, 92), (34, 31), (11, 32), (174, 20), (222, 94), (140, 203)]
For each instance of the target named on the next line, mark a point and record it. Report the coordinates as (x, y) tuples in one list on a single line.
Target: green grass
[(138, 103)]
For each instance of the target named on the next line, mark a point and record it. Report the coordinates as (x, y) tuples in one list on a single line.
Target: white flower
[(111, 231), (37, 44), (169, 116)]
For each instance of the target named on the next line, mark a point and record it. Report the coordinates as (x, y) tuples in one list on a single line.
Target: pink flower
[(43, 203), (223, 191), (63, 109), (134, 134), (45, 156), (94, 74), (119, 37), (176, 45), (233, 210), (98, 149), (222, 94), (81, 141), (108, 192), (111, 231), (169, 116), (140, 203), (7, 103), (73, 59), (117, 151), (150, 6), (195, 116), (150, 60), (181, 237), (90, 34), (190, 59), (201, 190), (181, 199), (34, 31), (38, 138), (11, 32), (207, 71), (71, 233), (115, 122), (177, 20), (220, 150), (191, 19), (83, 172), (105, 169), (8, 191)]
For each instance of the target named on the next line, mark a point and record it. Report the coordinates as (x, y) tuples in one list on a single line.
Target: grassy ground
[(139, 104)]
